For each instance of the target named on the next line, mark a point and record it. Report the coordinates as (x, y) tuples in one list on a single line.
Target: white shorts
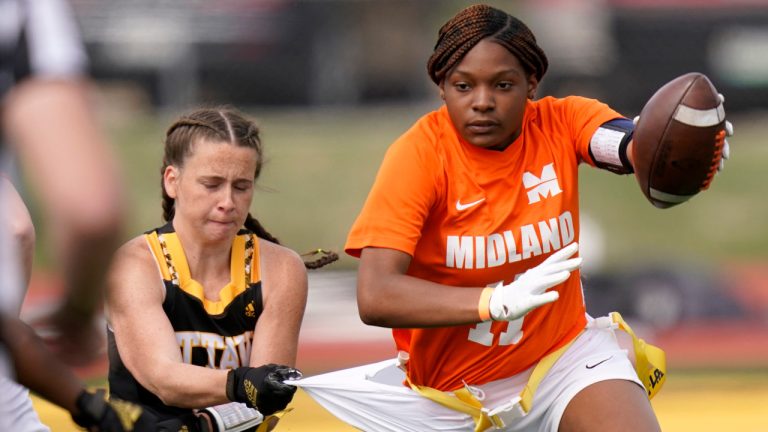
[(373, 397)]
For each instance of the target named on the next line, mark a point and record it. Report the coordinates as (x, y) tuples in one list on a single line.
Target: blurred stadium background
[(333, 82)]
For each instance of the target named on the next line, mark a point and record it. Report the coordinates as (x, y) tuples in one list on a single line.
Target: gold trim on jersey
[(244, 268), (157, 252)]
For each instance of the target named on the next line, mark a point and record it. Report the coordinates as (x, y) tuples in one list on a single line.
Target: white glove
[(512, 301), (728, 132)]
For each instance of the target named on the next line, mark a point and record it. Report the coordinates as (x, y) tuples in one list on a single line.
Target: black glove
[(185, 423), (262, 387), (97, 414)]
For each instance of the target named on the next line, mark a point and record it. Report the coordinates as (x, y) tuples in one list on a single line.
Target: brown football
[(678, 140)]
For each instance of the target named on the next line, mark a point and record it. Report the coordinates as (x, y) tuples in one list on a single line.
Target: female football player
[(207, 308), (468, 250)]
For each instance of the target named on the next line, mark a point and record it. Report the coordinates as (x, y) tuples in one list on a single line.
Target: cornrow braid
[(222, 124), (191, 122), (326, 257), (475, 23), (251, 136), (254, 225), (169, 207), (184, 122), (227, 126)]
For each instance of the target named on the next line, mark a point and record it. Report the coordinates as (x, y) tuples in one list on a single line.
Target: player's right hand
[(262, 387), (97, 414), (529, 291)]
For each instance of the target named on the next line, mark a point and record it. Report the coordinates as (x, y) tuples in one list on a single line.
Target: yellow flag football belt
[(650, 366), (650, 361)]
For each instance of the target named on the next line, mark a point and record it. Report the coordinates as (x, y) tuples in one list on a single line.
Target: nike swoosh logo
[(462, 207), (598, 363)]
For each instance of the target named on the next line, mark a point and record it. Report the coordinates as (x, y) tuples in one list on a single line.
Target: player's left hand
[(97, 414), (262, 387), (529, 291), (726, 153)]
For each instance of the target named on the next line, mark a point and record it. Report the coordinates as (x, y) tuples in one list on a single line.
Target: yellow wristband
[(484, 305)]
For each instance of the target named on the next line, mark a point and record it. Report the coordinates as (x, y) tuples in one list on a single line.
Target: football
[(678, 140)]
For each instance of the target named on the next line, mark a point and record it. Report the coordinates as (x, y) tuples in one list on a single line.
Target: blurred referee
[(47, 121)]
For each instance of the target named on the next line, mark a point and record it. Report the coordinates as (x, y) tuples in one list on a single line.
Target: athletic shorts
[(373, 397)]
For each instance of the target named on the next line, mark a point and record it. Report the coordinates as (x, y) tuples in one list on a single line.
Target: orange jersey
[(473, 217)]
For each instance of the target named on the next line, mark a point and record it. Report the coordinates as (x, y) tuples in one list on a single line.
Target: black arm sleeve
[(608, 146)]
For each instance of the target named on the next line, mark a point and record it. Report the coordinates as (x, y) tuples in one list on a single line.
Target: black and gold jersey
[(215, 334)]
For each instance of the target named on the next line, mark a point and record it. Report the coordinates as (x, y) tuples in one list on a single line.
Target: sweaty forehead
[(220, 158)]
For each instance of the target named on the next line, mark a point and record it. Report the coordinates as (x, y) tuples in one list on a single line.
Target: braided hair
[(221, 124), (475, 23)]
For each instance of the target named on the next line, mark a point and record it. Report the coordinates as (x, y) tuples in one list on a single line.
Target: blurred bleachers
[(321, 52)]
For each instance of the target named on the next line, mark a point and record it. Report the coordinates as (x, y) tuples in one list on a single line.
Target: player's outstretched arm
[(37, 369), (53, 126), (21, 229), (679, 142)]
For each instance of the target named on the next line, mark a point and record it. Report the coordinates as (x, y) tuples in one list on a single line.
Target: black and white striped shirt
[(38, 38)]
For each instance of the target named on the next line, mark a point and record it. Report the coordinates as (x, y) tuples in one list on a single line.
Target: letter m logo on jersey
[(544, 186)]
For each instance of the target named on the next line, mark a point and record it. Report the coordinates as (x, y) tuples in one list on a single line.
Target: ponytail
[(169, 207), (253, 225), (326, 257), (224, 125)]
